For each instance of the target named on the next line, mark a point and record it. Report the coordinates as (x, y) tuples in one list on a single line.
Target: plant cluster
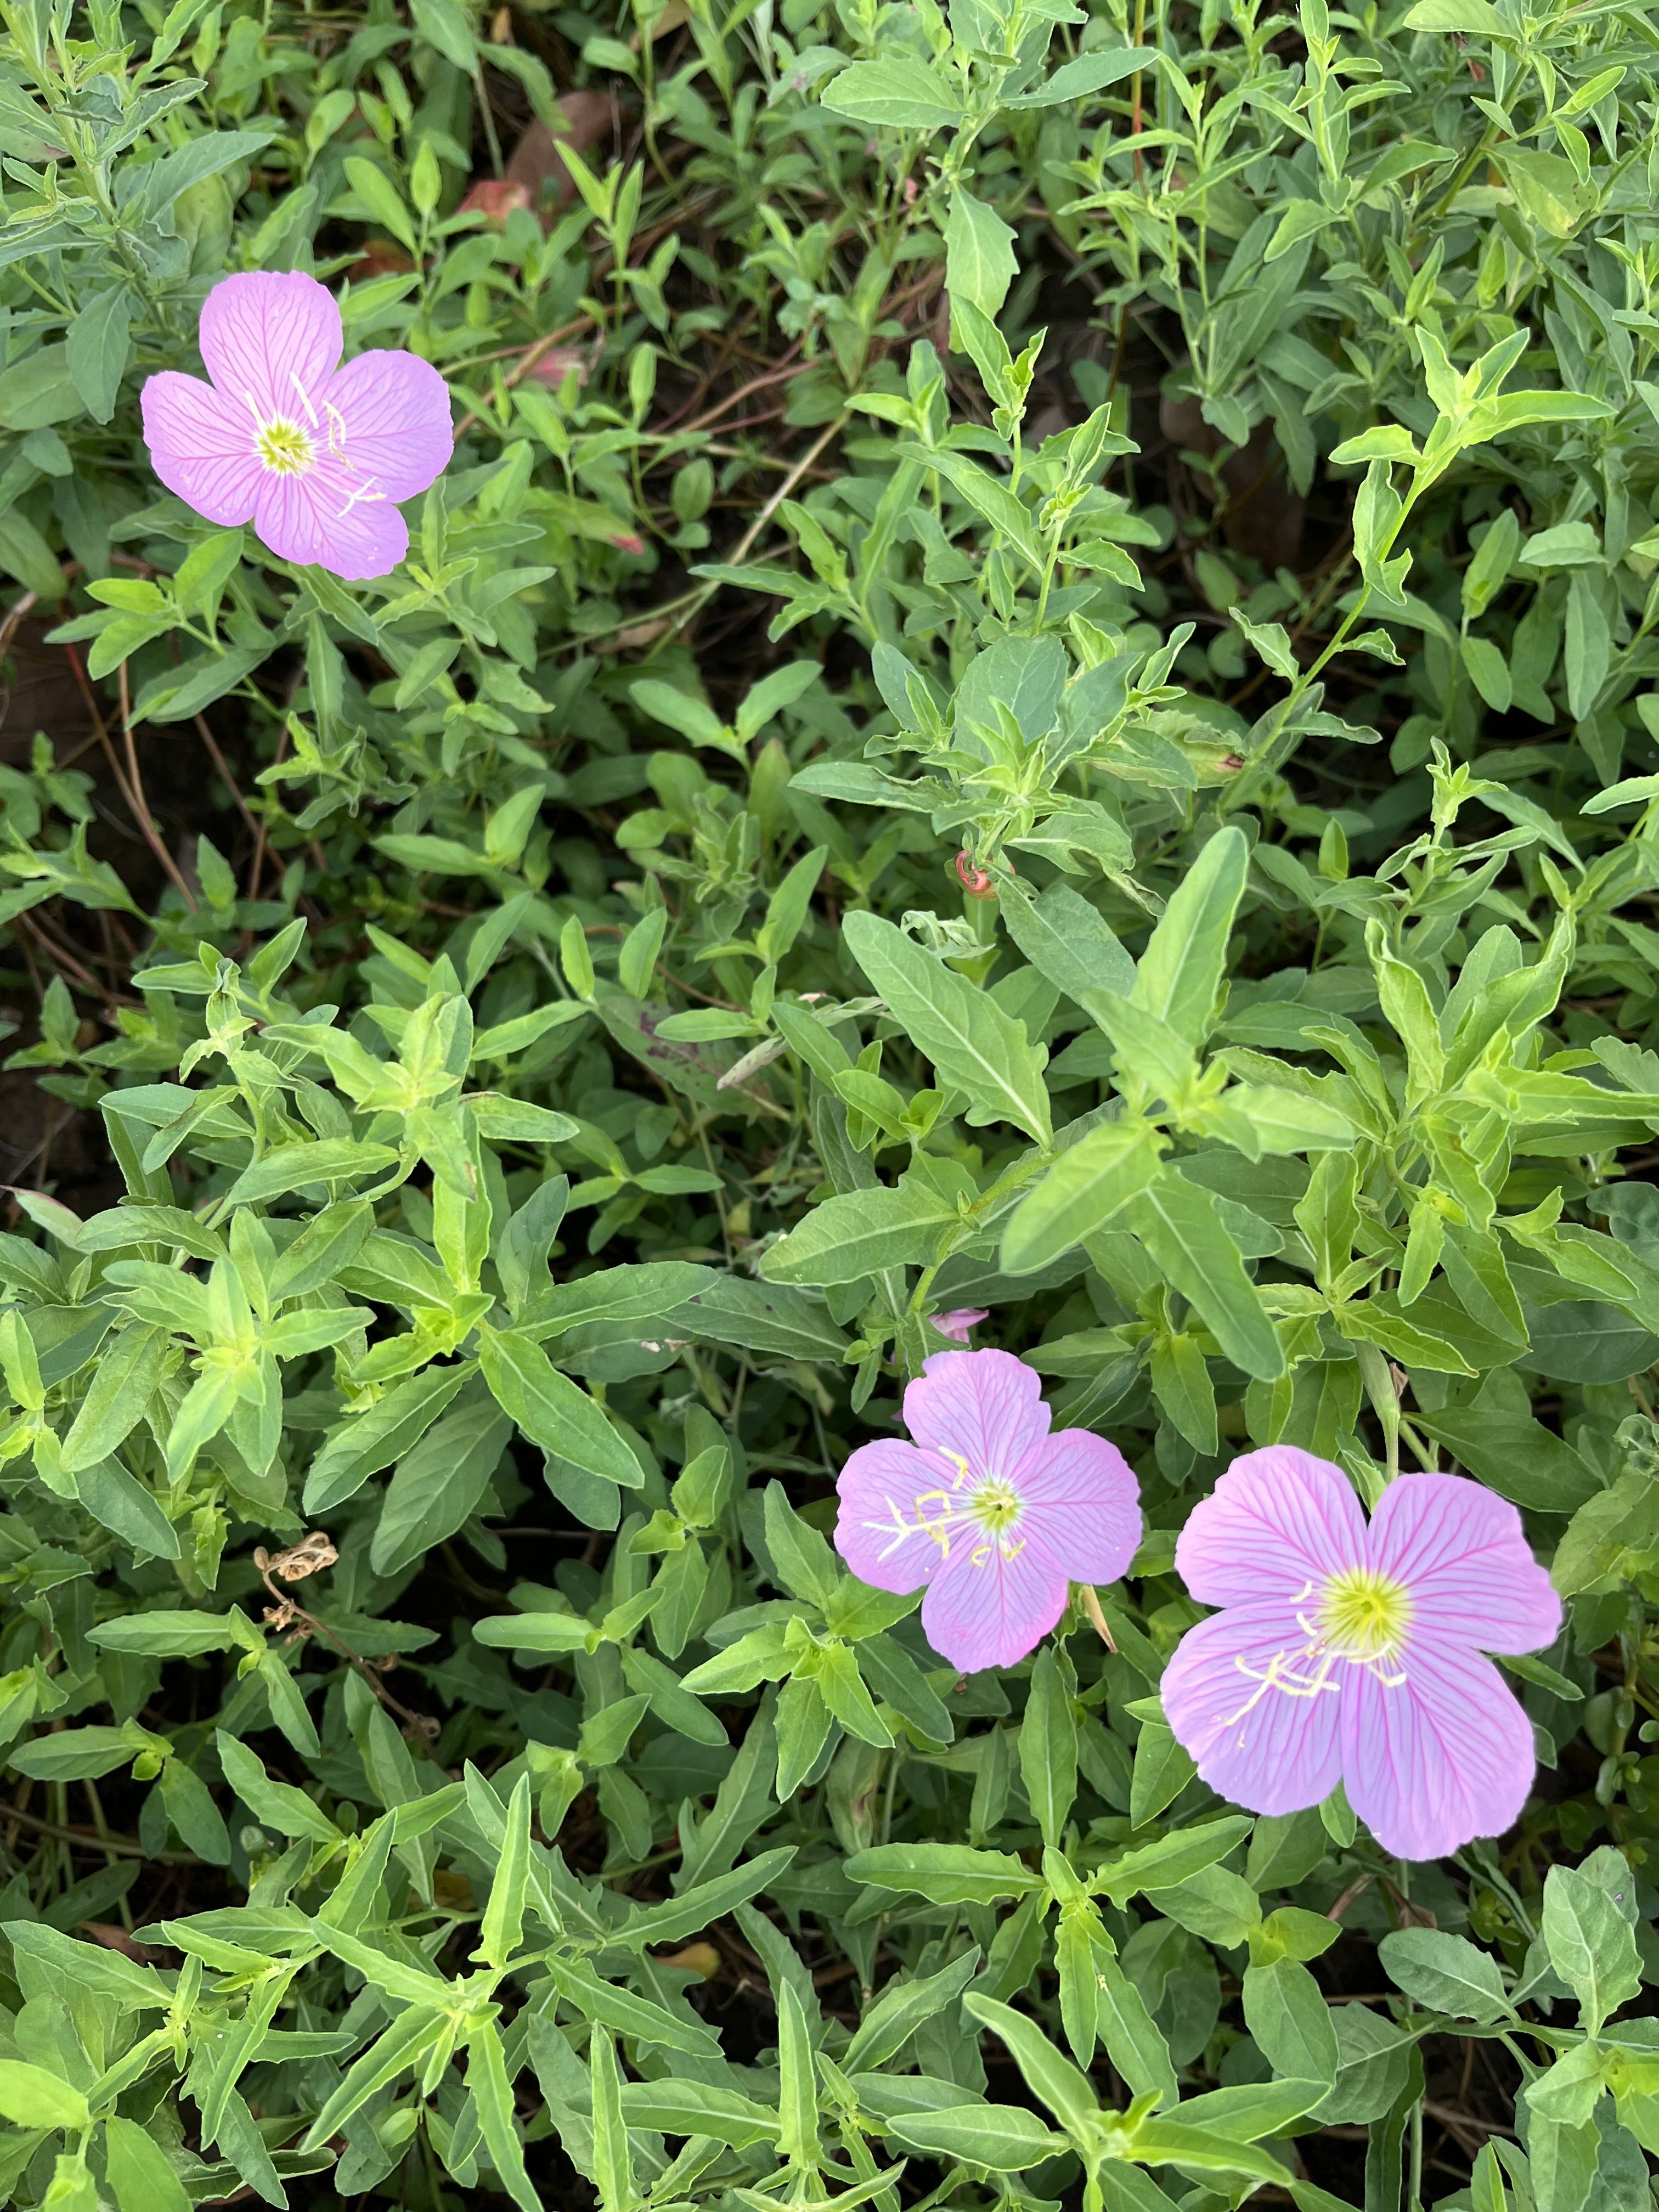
[(1026, 706)]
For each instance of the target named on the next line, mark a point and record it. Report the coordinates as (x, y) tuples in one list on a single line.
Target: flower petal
[(1446, 1756), (1081, 1506), (878, 1531), (269, 340), (959, 1321), (201, 447), (1464, 1555), (311, 518), (1268, 1749), (992, 1613), (1278, 1520), (395, 429), (985, 1407)]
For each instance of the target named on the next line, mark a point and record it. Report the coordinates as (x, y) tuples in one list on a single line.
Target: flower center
[(1359, 1620), (283, 447), (1363, 1615), (983, 1511), (995, 1504)]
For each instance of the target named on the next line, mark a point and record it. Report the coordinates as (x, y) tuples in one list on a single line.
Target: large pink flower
[(1356, 1654), (314, 455), (997, 1516)]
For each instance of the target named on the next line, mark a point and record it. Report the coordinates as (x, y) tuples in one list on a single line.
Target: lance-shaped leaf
[(974, 1046), (550, 1409)]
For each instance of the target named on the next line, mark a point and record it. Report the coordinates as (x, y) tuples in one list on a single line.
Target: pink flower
[(315, 455), (957, 1324), (1357, 1654), (994, 1515)]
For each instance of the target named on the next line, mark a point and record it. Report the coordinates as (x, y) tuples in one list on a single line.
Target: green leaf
[(708, 1901), (698, 2108), (142, 2177), (1134, 2042), (863, 1233), (889, 2021), (692, 717), (114, 1982), (183, 691), (798, 2140), (809, 1569), (1591, 1942), (39, 390), (945, 1873), (379, 195), (759, 1317), (626, 2013), (31, 2098), (439, 1484), (1163, 1768), (121, 1385), (1445, 1972), (1095, 71), (1004, 2138), (1055, 2079), (96, 347), (1173, 1858), (900, 92), (277, 1805), (363, 1445), (300, 1166), (1547, 186), (1489, 671), (980, 261), (486, 2070), (1179, 1225), (1067, 941), (1286, 2012), (550, 1409), (120, 1502), (176, 1635), (1469, 18), (545, 1632), (503, 1921), (1205, 2150), (81, 1754), (1179, 977), (1048, 1748), (1611, 1537), (974, 1046), (402, 2045), (1514, 1456), (1089, 1182), (443, 24)]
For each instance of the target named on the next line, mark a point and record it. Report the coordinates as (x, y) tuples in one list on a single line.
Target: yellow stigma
[(1363, 1615), (283, 447), (995, 1505)]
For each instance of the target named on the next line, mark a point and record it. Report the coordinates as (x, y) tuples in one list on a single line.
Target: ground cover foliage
[(1031, 688)]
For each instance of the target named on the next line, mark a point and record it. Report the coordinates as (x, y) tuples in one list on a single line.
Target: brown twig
[(223, 766), (137, 806), (145, 819), (532, 353), (787, 367), (62, 957), (17, 615), (88, 1839), (1354, 1889), (1449, 2119), (289, 1611)]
